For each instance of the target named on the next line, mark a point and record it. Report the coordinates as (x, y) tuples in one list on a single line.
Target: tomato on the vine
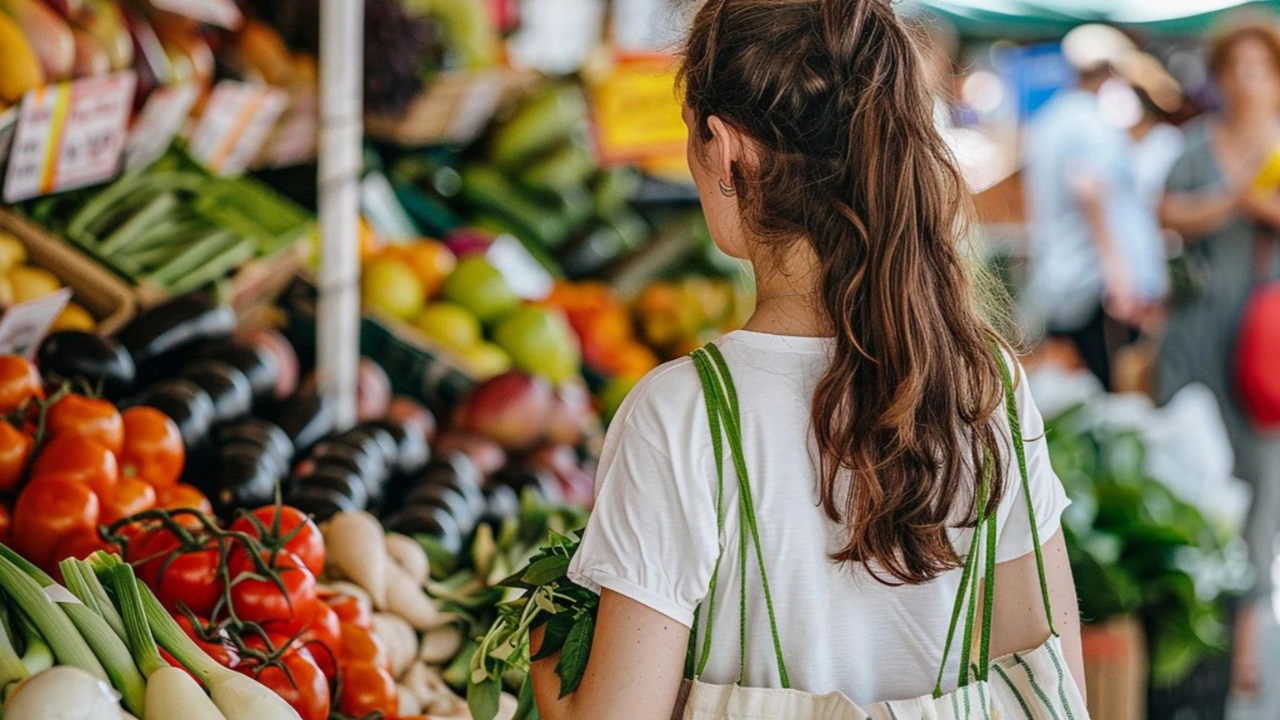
[(366, 688), (190, 579), (323, 638), (15, 448), (19, 382), (361, 645), (350, 609), (262, 602), (218, 646), (305, 539), (130, 497), (75, 458), (153, 449), (49, 509), (89, 418), (299, 682)]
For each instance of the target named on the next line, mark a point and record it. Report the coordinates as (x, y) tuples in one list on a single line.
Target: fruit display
[(675, 317), (174, 228), (21, 282)]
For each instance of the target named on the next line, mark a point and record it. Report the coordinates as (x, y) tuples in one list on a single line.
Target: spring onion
[(11, 667), (106, 645), (63, 693), (36, 654), (237, 697), (69, 647), (83, 583), (171, 692)]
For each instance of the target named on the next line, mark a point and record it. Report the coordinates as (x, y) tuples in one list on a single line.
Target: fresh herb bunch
[(550, 599)]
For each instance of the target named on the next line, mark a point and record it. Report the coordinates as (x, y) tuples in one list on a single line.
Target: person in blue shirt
[(1097, 259)]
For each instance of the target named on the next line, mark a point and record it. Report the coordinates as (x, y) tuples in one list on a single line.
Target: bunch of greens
[(1136, 548), (547, 598)]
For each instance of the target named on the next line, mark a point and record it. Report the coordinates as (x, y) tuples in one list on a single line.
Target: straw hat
[(1091, 47)]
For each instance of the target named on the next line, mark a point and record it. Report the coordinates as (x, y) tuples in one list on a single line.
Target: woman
[(1229, 234), (868, 394)]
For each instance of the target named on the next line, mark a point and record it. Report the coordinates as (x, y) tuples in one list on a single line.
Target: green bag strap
[(720, 392), (717, 445)]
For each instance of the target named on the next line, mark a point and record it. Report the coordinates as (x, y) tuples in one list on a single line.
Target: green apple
[(540, 341), (480, 287), (392, 287)]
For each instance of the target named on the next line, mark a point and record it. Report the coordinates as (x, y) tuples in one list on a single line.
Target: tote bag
[(1032, 685), (1258, 344)]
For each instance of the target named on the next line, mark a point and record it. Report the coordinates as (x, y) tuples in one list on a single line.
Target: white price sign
[(23, 326), (222, 13), (69, 135), (159, 122), (237, 119)]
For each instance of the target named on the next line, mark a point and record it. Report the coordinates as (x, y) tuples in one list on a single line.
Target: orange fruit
[(431, 261)]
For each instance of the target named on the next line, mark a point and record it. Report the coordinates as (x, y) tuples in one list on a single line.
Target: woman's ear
[(727, 147)]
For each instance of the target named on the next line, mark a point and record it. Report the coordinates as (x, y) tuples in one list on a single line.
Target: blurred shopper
[(1230, 233), (1096, 253), (1157, 143)]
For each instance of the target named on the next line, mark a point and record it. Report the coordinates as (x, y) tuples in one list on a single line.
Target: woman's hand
[(635, 670)]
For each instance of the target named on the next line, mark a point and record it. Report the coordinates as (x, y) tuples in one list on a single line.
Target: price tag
[(222, 13), (23, 326), (523, 273), (69, 135), (237, 119), (8, 123), (159, 122), (637, 113)]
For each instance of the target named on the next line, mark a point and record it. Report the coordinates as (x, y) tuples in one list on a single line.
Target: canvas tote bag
[(1032, 685)]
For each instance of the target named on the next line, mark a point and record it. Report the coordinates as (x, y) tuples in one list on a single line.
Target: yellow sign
[(637, 113), (1268, 178)]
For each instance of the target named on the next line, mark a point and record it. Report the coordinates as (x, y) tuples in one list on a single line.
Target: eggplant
[(320, 502), (432, 522), (449, 499), (176, 325), (246, 477), (186, 403), (305, 418), (74, 355), (358, 460), (255, 361), (412, 451), (338, 477), (378, 440), (521, 477), (265, 455), (227, 387), (263, 433), (453, 465)]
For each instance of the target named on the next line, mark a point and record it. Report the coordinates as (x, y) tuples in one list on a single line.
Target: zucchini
[(431, 216), (565, 169), (487, 189)]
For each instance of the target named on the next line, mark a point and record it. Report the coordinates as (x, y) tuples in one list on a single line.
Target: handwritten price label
[(222, 13), (159, 122), (23, 326), (237, 119), (69, 135)]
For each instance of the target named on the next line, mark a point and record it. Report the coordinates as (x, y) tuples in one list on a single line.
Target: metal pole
[(341, 101)]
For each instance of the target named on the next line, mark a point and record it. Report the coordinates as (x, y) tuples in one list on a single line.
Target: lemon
[(453, 326), (486, 359), (6, 291), (74, 317), (12, 252), (30, 283)]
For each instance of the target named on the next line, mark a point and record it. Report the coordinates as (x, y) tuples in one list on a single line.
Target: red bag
[(1258, 349)]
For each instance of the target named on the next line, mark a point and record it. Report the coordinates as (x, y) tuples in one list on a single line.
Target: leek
[(83, 583), (36, 655), (237, 697), (171, 692), (68, 646), (11, 667)]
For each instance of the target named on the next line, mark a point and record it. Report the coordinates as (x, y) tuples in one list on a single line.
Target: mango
[(19, 67)]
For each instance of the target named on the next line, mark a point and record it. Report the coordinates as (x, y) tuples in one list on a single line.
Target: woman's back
[(653, 532)]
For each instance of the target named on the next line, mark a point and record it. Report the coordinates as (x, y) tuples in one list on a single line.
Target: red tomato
[(147, 549), (304, 687), (262, 602), (131, 497), (48, 510), (367, 688), (6, 524), (306, 543), (218, 646), (80, 544), (324, 639), (15, 448), (89, 418), (182, 497), (19, 382), (153, 448), (190, 579), (362, 646), (351, 609), (75, 458)]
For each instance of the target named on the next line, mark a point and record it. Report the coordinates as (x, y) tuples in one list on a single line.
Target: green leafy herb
[(575, 653), (483, 697)]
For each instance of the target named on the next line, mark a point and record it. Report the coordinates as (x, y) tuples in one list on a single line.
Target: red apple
[(512, 408), (570, 411)]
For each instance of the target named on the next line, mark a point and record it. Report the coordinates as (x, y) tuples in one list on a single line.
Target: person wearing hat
[(1097, 264)]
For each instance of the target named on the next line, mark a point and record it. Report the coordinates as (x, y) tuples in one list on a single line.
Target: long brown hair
[(846, 157)]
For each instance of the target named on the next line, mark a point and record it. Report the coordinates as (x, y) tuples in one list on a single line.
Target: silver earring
[(726, 189)]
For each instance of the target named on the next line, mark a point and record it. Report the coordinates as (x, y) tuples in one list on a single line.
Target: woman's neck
[(787, 298)]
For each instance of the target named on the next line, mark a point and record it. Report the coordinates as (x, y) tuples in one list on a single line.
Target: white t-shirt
[(652, 535)]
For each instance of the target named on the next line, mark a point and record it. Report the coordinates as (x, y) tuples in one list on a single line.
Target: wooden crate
[(100, 291)]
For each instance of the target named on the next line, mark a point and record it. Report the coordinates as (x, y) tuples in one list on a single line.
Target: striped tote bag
[(1031, 685)]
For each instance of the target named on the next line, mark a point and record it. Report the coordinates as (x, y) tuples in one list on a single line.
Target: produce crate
[(100, 291), (1115, 668), (454, 109)]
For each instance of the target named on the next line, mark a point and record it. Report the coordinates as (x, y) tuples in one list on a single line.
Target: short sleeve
[(1048, 498), (652, 534)]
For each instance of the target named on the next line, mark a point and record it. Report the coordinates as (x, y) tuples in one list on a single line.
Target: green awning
[(1042, 18)]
